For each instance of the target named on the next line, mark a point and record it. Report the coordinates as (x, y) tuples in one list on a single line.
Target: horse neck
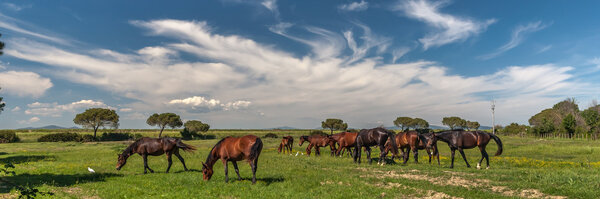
[(212, 158)]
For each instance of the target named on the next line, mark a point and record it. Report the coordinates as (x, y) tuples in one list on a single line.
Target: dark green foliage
[(403, 122), (353, 130), (60, 137), (270, 135), (471, 125), (2, 104), (591, 116), (569, 125), (163, 120), (87, 138), (116, 136), (317, 132), (196, 126), (515, 129), (95, 118), (28, 192), (454, 122), (334, 124), (406, 123), (187, 135), (544, 127), (8, 136)]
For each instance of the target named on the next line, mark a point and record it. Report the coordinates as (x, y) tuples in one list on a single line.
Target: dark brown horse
[(374, 137), (286, 144), (345, 141), (317, 141), (412, 140), (459, 140), (155, 147), (233, 149)]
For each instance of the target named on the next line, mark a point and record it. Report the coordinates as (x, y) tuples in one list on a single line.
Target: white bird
[(297, 153), (91, 170)]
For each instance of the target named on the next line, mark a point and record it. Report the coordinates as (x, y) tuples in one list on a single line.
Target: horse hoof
[(478, 166), (488, 167)]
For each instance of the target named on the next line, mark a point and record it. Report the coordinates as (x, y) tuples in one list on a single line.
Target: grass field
[(529, 167)]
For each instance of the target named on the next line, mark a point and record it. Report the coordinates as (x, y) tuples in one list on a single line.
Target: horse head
[(207, 172), (303, 139), (121, 161), (430, 140)]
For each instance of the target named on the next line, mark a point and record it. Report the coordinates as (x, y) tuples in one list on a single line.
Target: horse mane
[(305, 137), (129, 150), (209, 158)]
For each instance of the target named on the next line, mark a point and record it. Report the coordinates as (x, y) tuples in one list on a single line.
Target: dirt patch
[(335, 183), (80, 193), (428, 194), (9, 196), (431, 194)]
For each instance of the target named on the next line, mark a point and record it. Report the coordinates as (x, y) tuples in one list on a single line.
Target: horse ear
[(204, 166)]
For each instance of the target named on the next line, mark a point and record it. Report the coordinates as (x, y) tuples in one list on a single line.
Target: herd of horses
[(249, 147)]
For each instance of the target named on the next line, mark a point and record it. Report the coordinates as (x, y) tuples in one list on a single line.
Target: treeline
[(565, 117)]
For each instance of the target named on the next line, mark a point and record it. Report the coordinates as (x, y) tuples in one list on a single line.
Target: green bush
[(87, 138), (116, 136), (270, 135), (60, 137), (8, 136), (189, 135), (353, 130), (318, 132)]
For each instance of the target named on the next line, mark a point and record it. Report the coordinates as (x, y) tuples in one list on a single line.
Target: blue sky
[(268, 63)]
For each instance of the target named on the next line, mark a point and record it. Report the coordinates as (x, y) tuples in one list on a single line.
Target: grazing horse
[(412, 140), (233, 149), (459, 140), (317, 142), (286, 144), (371, 137), (155, 147), (346, 141)]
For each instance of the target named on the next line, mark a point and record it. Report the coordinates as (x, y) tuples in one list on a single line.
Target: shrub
[(87, 138), (116, 136), (270, 135), (189, 135), (318, 132), (60, 137), (353, 130), (8, 136)]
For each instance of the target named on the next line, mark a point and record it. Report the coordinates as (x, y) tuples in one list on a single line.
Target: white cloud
[(125, 109), (31, 120), (355, 6), (24, 83), (517, 37), (16, 109), (201, 104), (298, 91), (448, 28), (369, 40), (399, 52), (56, 110), (544, 49)]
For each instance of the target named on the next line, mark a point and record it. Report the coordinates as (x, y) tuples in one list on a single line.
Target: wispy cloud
[(15, 25), (31, 120), (56, 110), (355, 6), (517, 37), (448, 28), (15, 7), (272, 6), (544, 49), (399, 52)]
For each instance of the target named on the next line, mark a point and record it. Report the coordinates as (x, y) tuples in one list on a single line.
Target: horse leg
[(170, 161), (308, 148), (487, 158), (368, 150), (225, 164), (429, 154), (416, 154), (406, 156), (236, 169), (317, 151), (482, 150), (463, 155), (180, 159), (452, 164), (437, 154), (145, 156), (382, 154), (254, 166)]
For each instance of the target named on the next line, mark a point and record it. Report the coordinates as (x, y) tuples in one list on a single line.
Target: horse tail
[(185, 147), (498, 142), (256, 149)]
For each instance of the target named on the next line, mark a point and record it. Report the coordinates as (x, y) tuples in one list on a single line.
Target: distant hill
[(283, 128), (48, 127)]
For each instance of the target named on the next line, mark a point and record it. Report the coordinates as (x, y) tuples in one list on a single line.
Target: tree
[(97, 117), (163, 120), (403, 122), (591, 116), (472, 125), (195, 126), (334, 124), (420, 123), (545, 126), (454, 121), (515, 129), (569, 124), (2, 104)]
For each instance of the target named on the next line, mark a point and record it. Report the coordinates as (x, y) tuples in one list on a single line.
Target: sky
[(272, 63)]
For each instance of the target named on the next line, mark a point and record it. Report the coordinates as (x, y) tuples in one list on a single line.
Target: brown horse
[(317, 142), (345, 141), (286, 144), (155, 147), (412, 140), (233, 149), (459, 140)]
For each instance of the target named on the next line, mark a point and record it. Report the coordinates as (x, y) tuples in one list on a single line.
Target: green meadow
[(528, 168)]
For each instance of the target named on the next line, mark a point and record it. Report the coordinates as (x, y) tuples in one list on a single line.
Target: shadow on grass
[(189, 170), (268, 180), (3, 153), (387, 161), (59, 180), (25, 158)]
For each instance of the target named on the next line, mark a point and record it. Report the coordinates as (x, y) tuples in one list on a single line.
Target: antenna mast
[(493, 117)]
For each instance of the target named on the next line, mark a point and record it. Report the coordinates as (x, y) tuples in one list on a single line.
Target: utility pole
[(493, 117)]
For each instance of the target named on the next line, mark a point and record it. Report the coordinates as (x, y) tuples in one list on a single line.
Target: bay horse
[(317, 141), (459, 140), (346, 141), (371, 137), (155, 146), (286, 144), (233, 149), (412, 140)]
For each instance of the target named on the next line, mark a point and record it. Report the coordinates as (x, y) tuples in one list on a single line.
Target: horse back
[(150, 146), (236, 149)]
